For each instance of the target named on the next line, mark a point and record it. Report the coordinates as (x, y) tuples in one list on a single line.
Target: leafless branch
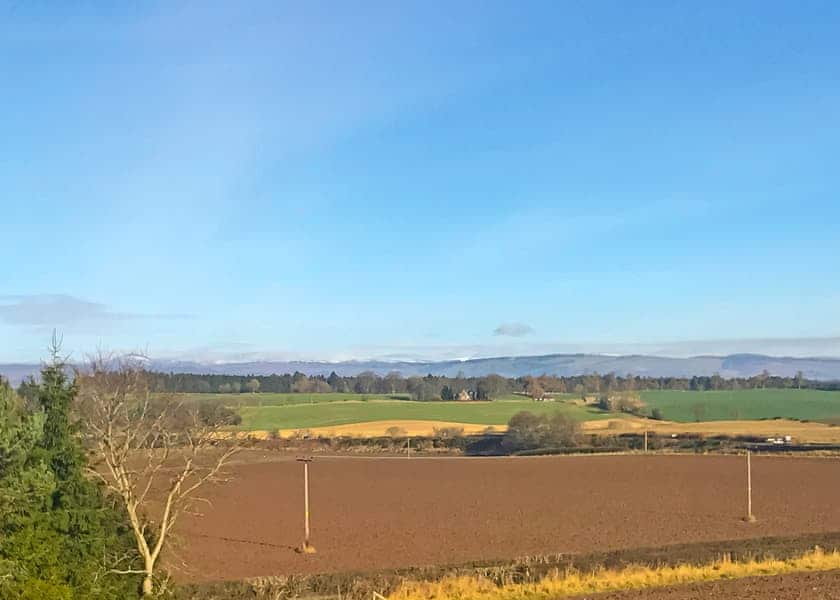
[(152, 452)]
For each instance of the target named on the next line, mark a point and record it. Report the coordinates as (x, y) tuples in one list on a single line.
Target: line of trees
[(437, 387)]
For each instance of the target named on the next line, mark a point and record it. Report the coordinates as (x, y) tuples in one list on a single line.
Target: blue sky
[(437, 179)]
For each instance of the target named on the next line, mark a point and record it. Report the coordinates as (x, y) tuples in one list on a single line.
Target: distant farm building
[(464, 396)]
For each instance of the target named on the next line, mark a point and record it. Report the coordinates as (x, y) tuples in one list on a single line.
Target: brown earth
[(799, 586), (379, 513)]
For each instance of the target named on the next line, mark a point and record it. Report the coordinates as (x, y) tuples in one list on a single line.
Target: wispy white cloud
[(551, 228), (60, 310), (513, 329)]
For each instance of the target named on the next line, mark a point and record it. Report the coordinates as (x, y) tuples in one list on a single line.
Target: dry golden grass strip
[(574, 583)]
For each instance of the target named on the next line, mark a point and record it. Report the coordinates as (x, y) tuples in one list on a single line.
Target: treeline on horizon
[(489, 387)]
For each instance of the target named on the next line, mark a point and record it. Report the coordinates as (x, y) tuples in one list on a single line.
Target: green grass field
[(278, 399), (302, 411), (304, 416), (813, 405)]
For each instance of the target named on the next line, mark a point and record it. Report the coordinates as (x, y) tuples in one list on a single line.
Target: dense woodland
[(433, 387)]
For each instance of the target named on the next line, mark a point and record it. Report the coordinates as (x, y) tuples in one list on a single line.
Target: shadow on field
[(243, 541)]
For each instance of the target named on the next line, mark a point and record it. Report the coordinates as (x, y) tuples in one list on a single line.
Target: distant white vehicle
[(779, 440)]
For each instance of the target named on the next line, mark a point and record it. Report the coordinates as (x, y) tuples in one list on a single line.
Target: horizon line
[(202, 362)]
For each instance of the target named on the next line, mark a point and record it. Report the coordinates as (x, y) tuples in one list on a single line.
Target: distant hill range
[(735, 365)]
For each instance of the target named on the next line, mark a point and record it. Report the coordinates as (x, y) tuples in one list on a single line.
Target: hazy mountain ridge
[(735, 365)]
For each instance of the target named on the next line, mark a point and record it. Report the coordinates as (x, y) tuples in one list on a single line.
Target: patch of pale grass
[(377, 428), (576, 583)]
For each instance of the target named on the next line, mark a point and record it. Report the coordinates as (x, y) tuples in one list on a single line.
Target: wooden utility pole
[(307, 547), (750, 517)]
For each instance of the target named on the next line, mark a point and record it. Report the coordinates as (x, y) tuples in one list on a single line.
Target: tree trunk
[(148, 587)]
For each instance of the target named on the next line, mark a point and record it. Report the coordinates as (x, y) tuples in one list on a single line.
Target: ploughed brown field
[(378, 513)]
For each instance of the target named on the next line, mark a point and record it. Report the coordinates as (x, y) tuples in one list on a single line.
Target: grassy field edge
[(572, 583), (359, 585)]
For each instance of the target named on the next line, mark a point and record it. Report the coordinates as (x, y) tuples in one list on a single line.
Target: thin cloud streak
[(513, 329), (57, 310)]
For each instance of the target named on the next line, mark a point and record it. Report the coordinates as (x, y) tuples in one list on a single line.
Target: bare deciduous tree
[(535, 390), (154, 453)]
